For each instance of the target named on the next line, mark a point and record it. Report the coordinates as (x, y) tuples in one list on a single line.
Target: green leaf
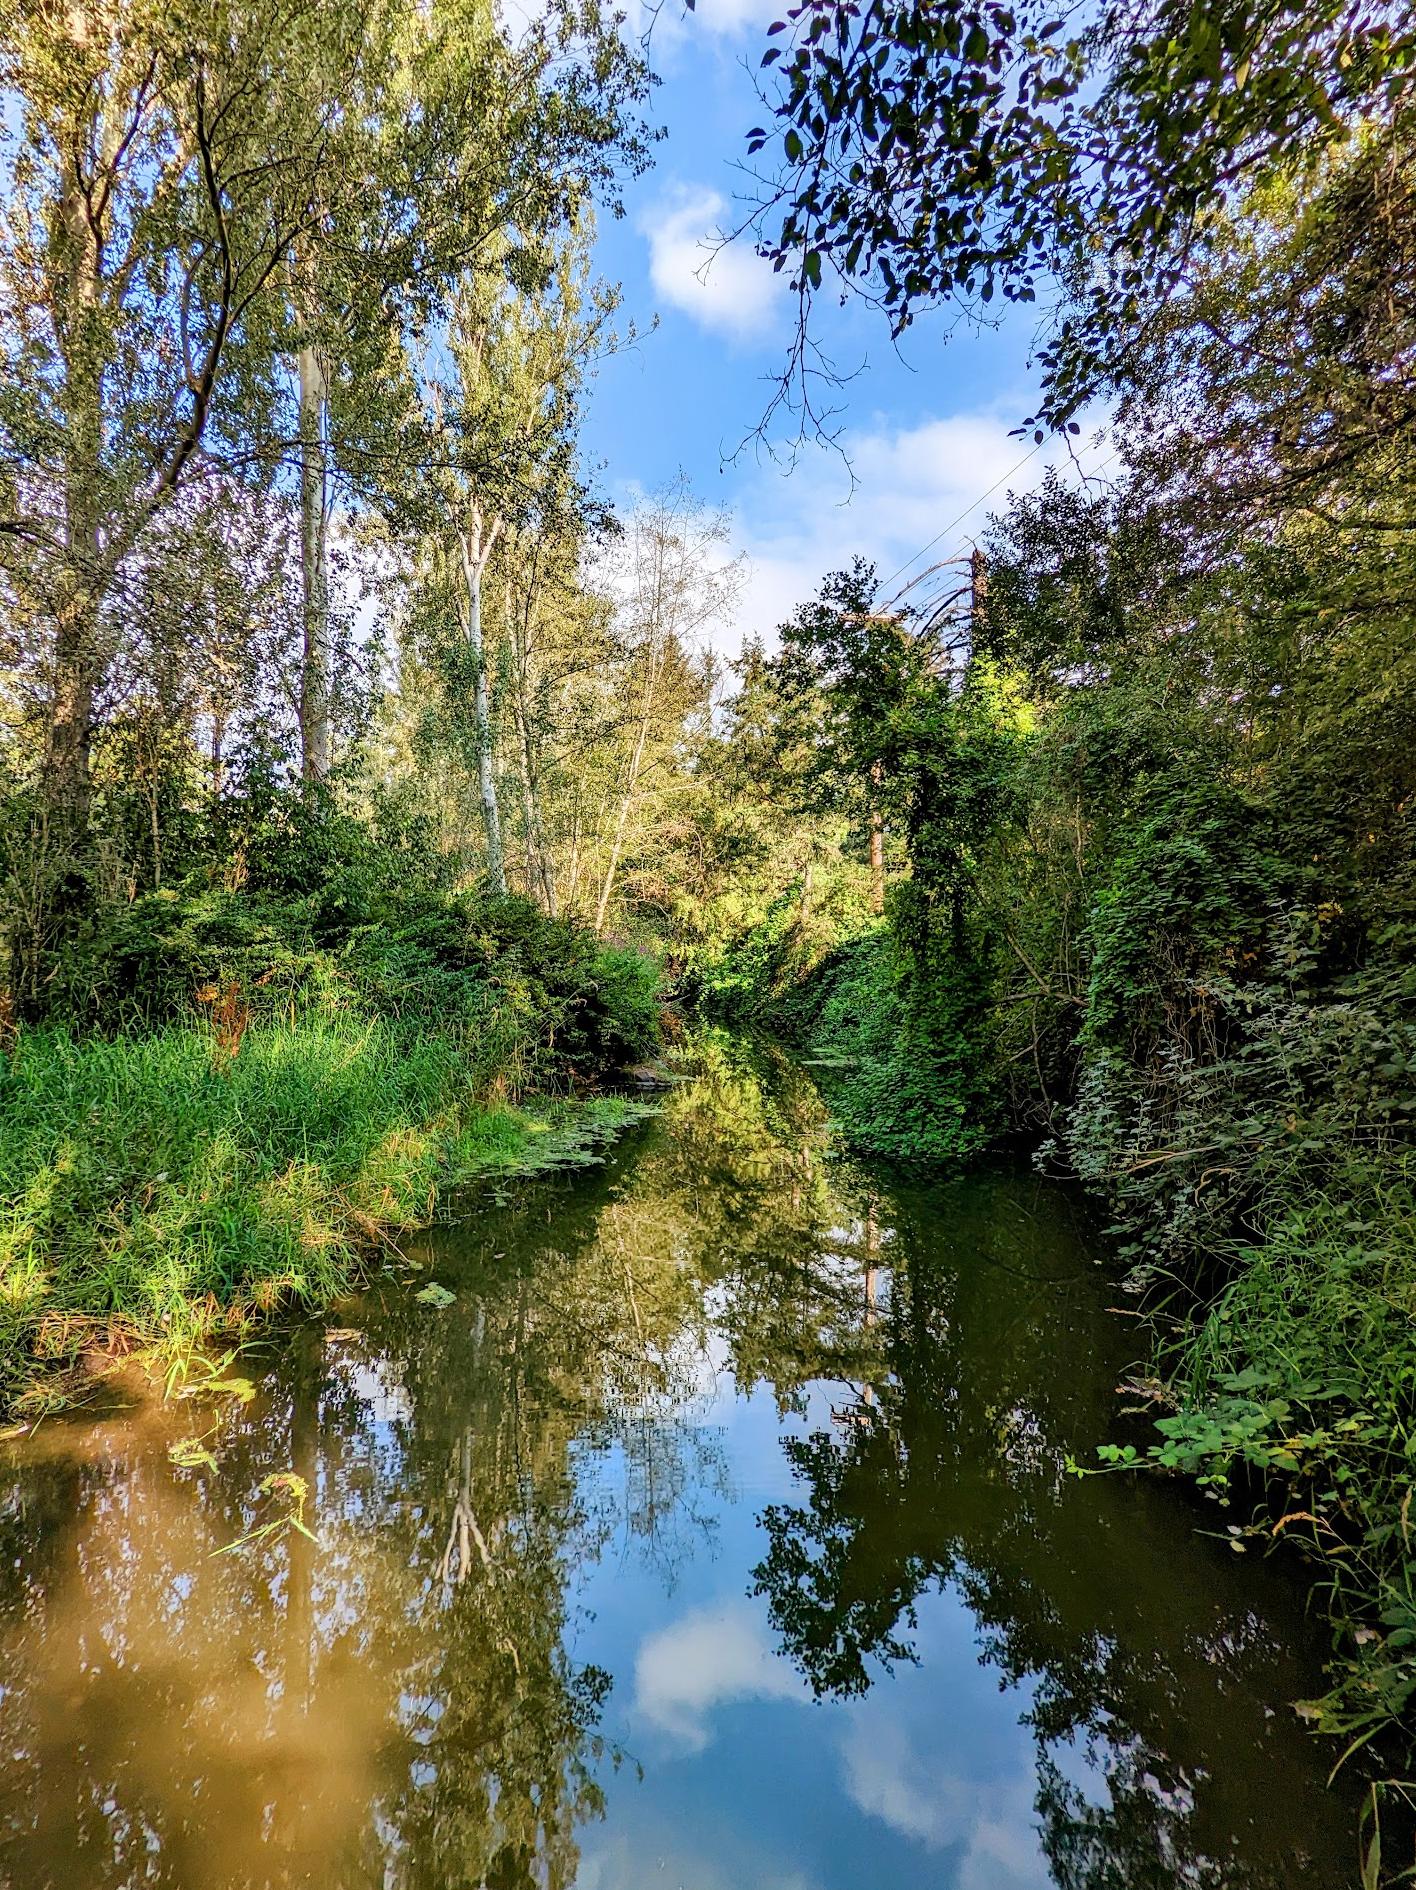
[(190, 1454)]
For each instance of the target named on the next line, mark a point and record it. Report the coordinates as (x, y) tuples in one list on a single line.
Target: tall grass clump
[(158, 1189)]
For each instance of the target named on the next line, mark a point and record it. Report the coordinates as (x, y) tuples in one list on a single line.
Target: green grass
[(155, 1192)]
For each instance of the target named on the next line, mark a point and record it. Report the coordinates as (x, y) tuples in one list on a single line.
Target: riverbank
[(732, 1406), (1263, 1213), (225, 1094), (165, 1190)]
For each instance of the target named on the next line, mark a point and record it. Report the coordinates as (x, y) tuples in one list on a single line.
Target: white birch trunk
[(538, 870), (476, 545), (617, 845), (316, 734)]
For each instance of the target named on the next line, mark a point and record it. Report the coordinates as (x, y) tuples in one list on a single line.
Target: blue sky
[(927, 429)]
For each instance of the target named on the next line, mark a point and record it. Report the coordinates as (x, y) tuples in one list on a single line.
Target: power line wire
[(916, 556)]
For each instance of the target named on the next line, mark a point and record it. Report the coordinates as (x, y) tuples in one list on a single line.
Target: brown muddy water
[(716, 1536)]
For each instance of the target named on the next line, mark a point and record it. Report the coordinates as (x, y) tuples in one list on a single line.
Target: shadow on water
[(717, 1534)]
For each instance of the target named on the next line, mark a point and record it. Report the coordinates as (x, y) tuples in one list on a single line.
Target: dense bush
[(912, 1086), (535, 999)]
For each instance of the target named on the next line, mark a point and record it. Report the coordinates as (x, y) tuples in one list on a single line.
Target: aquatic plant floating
[(191, 1454), (295, 1490), (435, 1295)]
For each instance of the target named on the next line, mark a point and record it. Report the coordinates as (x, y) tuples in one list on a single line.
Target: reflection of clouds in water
[(992, 1820), (376, 1384), (712, 1656)]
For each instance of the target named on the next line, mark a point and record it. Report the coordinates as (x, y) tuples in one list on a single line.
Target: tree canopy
[(926, 154)]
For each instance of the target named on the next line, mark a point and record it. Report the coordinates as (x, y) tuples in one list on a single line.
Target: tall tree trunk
[(538, 868), (476, 545), (877, 845), (78, 663), (978, 596), (78, 671), (59, 890), (219, 712), (316, 735), (617, 844), (573, 872), (656, 653)]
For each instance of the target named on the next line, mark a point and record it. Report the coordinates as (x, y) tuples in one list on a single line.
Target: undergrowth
[(220, 1094), (163, 1189), (1227, 1060), (1296, 1396), (909, 1083)]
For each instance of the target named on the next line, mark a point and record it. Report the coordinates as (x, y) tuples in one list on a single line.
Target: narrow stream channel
[(716, 1536)]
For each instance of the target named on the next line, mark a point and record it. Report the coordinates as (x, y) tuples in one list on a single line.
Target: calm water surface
[(717, 1536)]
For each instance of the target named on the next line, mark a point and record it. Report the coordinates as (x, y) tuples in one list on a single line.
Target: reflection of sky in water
[(553, 1487), (748, 1780)]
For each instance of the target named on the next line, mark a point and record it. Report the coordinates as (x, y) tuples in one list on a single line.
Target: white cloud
[(711, 1657), (730, 289), (913, 483), (674, 27), (992, 1820)]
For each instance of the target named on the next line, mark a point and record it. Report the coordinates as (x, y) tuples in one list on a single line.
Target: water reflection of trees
[(396, 1705), (1151, 1672), (402, 1705)]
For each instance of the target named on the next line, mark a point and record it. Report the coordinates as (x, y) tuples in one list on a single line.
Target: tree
[(198, 199), (668, 584), (503, 487), (468, 155), (944, 154), (167, 170), (847, 663)]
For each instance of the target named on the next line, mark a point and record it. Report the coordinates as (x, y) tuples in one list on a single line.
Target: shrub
[(627, 989), (533, 997)]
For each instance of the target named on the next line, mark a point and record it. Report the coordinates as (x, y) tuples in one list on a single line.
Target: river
[(717, 1534)]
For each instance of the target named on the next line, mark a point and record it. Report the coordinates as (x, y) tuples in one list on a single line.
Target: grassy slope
[(154, 1188)]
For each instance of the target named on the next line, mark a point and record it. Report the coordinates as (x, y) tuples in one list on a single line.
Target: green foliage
[(916, 1087), (949, 153), (1295, 1391), (1154, 791), (246, 1076), (162, 1189), (861, 711), (343, 918), (774, 972), (618, 1021)]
